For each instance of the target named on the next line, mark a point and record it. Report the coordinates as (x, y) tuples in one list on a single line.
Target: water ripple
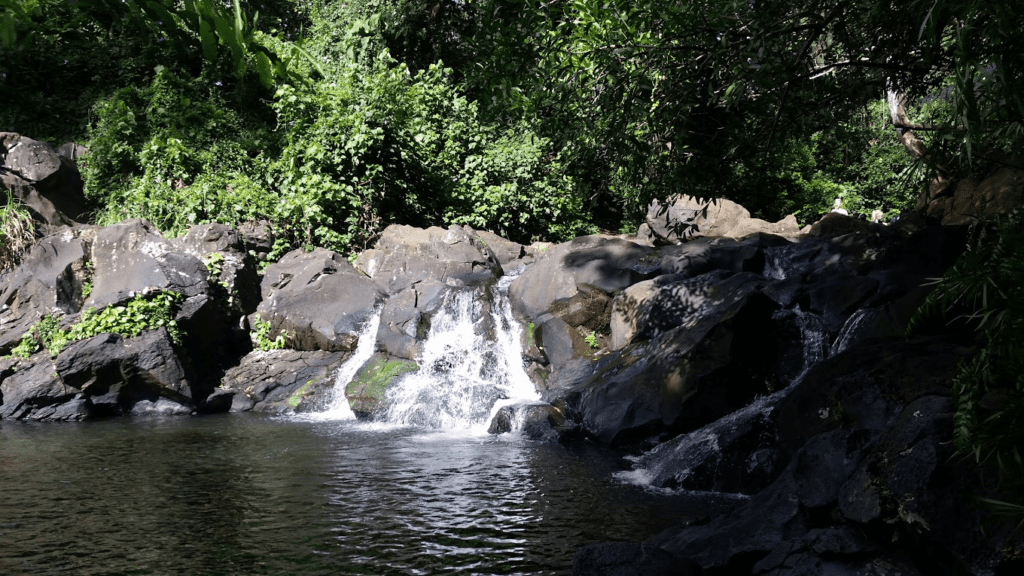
[(256, 495)]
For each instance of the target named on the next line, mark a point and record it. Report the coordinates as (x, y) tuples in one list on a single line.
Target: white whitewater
[(470, 367), (339, 409)]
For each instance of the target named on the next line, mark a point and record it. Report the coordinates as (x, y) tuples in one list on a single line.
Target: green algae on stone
[(297, 396), (365, 392)]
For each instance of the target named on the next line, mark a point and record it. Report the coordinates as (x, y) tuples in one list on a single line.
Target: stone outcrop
[(44, 179), (699, 365), (317, 300), (686, 217), (103, 376), (278, 381), (868, 463), (405, 256), (88, 267), (969, 200)]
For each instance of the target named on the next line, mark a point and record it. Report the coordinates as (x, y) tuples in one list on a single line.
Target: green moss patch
[(366, 390), (297, 396)]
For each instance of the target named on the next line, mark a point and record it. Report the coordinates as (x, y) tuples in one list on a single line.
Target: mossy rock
[(365, 392), (299, 394)]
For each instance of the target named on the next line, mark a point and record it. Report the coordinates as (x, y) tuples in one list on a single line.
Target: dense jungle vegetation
[(536, 120), (532, 119)]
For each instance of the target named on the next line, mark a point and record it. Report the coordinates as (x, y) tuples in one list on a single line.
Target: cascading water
[(470, 367), (339, 409)]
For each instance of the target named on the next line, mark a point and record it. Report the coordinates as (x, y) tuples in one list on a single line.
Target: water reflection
[(257, 495)]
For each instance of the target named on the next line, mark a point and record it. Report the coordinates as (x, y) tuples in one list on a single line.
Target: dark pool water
[(251, 494)]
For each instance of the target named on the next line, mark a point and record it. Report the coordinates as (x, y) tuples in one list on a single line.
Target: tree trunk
[(898, 113), (915, 146)]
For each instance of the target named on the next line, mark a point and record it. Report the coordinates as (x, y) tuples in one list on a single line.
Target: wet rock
[(405, 318), (869, 442), (279, 380), (737, 454), (536, 420), (836, 297), (366, 390), (317, 299), (627, 559)]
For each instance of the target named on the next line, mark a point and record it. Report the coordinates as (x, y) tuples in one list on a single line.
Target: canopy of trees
[(535, 119)]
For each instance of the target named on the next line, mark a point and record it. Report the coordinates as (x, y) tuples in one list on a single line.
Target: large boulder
[(101, 376), (708, 366), (317, 299), (88, 267), (49, 278), (45, 181), (651, 308), (534, 420), (279, 381), (405, 318), (688, 217), (701, 255), (132, 257), (223, 250), (866, 437), (587, 263), (405, 256)]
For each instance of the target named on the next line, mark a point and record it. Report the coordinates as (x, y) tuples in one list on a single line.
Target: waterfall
[(471, 365), (338, 408), (807, 331)]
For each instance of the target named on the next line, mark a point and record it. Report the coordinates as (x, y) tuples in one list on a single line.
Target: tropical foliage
[(986, 285)]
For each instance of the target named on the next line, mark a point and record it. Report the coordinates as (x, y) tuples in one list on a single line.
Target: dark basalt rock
[(318, 299), (279, 380), (685, 377), (868, 434), (628, 559), (50, 277), (590, 262), (47, 182), (405, 256), (405, 318), (539, 421), (101, 376)]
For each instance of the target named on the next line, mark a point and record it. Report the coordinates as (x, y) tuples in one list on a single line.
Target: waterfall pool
[(257, 494)]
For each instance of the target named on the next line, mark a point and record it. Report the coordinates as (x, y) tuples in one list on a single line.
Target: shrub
[(988, 281), (17, 231), (148, 312)]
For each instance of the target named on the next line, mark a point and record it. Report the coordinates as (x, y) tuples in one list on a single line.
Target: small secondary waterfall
[(338, 408), (470, 367)]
